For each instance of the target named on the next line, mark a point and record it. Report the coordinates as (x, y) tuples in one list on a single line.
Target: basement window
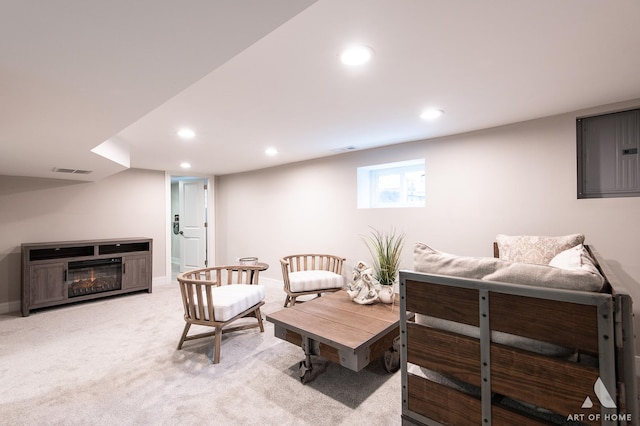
[(399, 184)]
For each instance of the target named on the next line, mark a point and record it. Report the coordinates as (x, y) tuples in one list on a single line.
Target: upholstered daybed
[(542, 334)]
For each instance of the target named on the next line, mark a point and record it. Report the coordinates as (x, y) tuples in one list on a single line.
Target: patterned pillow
[(535, 249)]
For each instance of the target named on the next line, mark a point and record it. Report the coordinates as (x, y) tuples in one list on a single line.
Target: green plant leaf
[(385, 249)]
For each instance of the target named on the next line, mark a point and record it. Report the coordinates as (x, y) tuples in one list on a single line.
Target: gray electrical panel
[(608, 158)]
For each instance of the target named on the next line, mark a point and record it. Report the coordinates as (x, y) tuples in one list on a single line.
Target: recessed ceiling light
[(271, 152), (356, 55), (186, 133), (185, 165), (431, 114)]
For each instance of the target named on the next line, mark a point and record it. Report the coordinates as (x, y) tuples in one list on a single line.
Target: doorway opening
[(189, 224)]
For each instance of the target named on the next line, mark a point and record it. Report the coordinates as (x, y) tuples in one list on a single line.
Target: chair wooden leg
[(259, 317), (287, 300), (184, 335), (217, 342)]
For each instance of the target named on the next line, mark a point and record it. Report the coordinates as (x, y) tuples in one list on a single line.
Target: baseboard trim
[(156, 281), (271, 282), (8, 307), (15, 306)]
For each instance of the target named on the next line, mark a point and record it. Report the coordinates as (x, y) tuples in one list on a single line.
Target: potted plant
[(385, 249)]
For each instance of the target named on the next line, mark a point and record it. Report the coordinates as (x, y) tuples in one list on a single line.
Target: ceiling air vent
[(345, 149), (73, 171)]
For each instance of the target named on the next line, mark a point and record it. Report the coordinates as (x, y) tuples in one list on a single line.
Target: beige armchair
[(218, 296), (305, 274)]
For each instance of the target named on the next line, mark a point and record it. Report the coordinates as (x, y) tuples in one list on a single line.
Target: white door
[(193, 228)]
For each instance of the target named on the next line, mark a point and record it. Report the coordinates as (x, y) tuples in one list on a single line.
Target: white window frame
[(368, 179)]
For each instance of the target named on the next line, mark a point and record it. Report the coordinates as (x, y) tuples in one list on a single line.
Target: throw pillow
[(569, 259), (535, 249), (575, 259)]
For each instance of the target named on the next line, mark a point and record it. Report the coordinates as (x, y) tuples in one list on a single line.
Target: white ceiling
[(251, 74)]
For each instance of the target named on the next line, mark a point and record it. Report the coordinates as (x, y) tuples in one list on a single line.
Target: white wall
[(128, 204), (516, 179)]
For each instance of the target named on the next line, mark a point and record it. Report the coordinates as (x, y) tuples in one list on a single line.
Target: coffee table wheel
[(392, 357), (391, 360), (305, 372)]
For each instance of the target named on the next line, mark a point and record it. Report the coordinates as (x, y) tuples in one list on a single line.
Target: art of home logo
[(606, 401)]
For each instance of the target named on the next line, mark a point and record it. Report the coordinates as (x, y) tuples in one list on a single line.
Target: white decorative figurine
[(364, 288)]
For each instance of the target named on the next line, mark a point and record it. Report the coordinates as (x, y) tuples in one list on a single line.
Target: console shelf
[(57, 273)]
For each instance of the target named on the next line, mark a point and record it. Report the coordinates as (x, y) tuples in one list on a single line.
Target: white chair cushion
[(232, 299), (314, 280)]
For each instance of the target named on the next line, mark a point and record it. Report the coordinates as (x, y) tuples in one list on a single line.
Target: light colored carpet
[(114, 361)]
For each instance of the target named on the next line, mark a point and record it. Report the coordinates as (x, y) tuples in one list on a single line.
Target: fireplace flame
[(94, 280)]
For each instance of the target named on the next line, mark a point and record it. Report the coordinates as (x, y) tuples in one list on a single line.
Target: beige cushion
[(314, 280), (433, 261), (535, 249), (426, 259), (547, 276)]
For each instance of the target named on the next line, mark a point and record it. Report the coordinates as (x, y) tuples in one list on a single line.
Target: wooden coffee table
[(341, 331)]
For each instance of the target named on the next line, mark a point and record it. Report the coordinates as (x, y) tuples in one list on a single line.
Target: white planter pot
[(386, 294)]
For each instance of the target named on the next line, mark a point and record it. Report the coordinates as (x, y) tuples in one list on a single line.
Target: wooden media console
[(57, 273)]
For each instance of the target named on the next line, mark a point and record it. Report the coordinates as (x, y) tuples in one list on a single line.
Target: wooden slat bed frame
[(597, 325)]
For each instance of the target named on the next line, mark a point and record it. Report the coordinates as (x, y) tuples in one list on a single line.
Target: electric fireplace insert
[(94, 276)]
